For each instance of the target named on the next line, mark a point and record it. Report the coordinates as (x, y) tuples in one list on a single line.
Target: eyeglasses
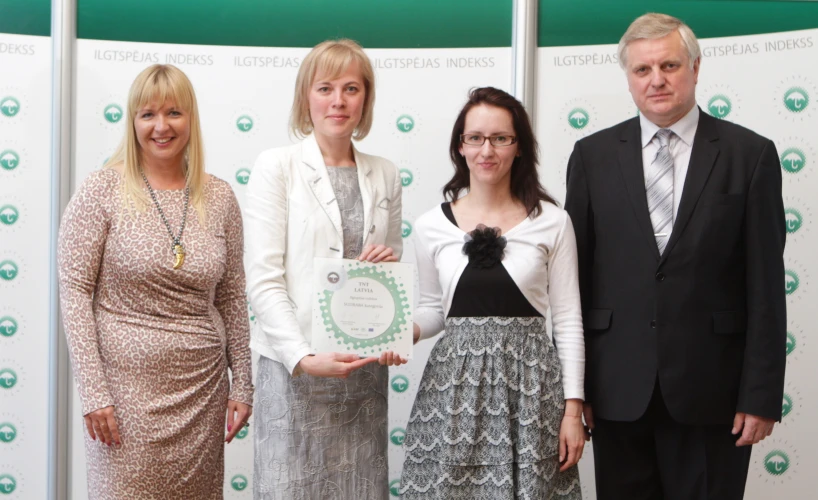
[(498, 141)]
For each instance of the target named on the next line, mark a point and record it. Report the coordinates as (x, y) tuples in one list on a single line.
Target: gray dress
[(324, 437)]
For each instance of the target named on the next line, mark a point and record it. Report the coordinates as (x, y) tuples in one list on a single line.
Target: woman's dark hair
[(525, 183)]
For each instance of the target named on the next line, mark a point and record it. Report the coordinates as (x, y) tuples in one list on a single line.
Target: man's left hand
[(752, 428)]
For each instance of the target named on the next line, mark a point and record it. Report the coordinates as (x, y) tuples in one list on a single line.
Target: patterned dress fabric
[(153, 341), (486, 420), (323, 438), (344, 182), (320, 438)]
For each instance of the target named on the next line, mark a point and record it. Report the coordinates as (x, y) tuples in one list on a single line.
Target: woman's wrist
[(303, 365), (573, 408)]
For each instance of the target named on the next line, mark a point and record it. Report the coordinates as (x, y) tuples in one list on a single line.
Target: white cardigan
[(292, 216), (541, 258)]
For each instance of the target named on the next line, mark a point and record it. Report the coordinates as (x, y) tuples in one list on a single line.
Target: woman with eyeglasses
[(498, 411)]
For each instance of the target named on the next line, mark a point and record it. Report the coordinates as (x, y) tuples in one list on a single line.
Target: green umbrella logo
[(793, 219), (399, 383), (719, 106), (793, 160), (776, 462), (578, 118), (8, 378), (791, 281), (9, 160), (244, 123), (7, 432), (397, 436), (7, 484), (8, 215), (796, 99), (9, 106), (406, 177), (243, 432), (405, 123), (8, 326), (8, 270), (790, 343), (786, 405), (112, 113), (394, 488), (239, 482), (405, 229), (243, 176)]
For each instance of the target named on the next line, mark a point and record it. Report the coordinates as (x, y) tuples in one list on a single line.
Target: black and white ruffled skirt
[(486, 420)]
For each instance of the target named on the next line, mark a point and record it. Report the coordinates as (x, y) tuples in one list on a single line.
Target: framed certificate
[(362, 308)]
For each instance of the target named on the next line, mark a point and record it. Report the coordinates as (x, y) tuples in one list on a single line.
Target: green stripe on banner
[(594, 22), (25, 17), (299, 23)]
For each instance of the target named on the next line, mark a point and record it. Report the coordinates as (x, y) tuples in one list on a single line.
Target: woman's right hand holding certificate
[(332, 364)]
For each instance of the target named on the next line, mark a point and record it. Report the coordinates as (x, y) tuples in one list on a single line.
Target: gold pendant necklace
[(177, 247), (179, 256)]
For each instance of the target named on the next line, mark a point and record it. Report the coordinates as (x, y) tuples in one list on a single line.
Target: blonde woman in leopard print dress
[(152, 292)]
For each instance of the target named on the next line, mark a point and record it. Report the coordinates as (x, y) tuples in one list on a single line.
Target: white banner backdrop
[(768, 84), (245, 94), (25, 205)]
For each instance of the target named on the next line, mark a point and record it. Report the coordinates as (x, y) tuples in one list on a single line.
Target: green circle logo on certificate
[(362, 308)]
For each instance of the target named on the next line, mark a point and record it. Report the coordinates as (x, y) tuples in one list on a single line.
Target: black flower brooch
[(484, 246)]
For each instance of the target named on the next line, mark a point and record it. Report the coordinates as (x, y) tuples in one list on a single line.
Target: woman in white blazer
[(321, 418)]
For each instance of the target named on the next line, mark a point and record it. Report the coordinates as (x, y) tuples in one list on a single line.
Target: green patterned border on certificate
[(401, 317)]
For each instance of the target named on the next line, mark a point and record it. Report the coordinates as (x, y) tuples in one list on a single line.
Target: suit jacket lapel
[(630, 165), (702, 158), (315, 172)]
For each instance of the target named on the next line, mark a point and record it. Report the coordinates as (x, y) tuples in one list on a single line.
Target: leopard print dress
[(154, 342)]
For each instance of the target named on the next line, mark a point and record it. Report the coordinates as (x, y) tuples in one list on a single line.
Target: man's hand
[(588, 415), (752, 428)]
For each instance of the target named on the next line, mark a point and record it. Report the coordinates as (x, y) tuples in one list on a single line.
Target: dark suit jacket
[(708, 317)]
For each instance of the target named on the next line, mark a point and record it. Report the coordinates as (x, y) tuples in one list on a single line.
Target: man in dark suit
[(680, 233)]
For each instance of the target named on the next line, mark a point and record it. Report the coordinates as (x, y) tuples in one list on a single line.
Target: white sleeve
[(266, 244), (566, 311), (429, 312)]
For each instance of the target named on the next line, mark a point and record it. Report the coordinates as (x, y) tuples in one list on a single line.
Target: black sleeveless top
[(487, 291)]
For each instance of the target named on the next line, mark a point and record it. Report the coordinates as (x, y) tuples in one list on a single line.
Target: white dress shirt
[(681, 144), (540, 256)]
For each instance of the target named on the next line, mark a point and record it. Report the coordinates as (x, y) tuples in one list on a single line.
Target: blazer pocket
[(729, 322), (597, 319)]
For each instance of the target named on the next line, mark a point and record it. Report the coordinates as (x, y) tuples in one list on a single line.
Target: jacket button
[(372, 229), (653, 323), (660, 277)]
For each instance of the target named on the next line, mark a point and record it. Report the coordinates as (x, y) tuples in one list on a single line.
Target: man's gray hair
[(652, 26)]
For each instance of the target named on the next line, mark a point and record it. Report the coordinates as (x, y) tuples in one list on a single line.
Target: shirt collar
[(685, 128)]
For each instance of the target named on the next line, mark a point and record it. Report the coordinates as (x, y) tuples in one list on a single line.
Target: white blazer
[(292, 216)]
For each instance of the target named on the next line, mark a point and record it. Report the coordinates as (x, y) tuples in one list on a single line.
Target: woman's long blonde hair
[(160, 83)]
